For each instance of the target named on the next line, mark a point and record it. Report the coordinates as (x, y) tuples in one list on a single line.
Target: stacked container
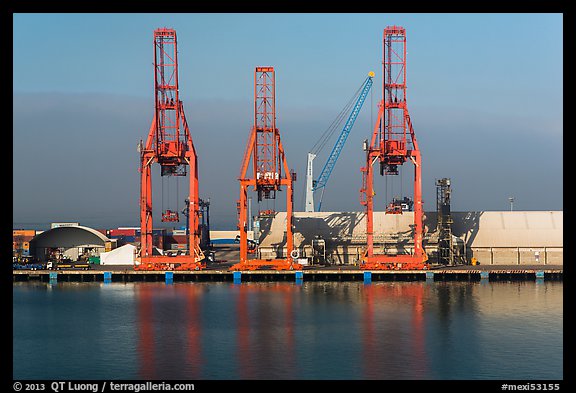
[(21, 240)]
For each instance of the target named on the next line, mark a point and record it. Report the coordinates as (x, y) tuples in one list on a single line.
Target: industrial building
[(74, 241), (492, 237), (338, 238), (71, 242)]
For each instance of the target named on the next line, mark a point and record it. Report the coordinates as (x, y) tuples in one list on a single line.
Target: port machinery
[(393, 143), (270, 172), (170, 145), (315, 185)]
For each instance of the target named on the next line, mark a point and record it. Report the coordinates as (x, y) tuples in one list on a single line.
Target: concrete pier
[(460, 274)]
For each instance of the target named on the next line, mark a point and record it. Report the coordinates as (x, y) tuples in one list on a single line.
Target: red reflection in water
[(243, 335), (195, 359), (419, 348), (146, 329), (370, 358), (382, 348), (290, 355), (267, 344), (147, 338)]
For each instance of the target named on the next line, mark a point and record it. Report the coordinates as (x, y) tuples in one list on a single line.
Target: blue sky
[(485, 94)]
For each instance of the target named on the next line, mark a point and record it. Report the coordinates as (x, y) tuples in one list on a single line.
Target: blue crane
[(314, 185)]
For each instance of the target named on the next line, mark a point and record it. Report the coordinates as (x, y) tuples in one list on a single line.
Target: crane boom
[(336, 150)]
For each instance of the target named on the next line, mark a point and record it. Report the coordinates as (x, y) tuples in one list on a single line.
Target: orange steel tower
[(391, 146), (169, 144), (265, 151)]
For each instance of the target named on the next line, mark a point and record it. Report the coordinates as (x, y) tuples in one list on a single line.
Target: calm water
[(389, 330)]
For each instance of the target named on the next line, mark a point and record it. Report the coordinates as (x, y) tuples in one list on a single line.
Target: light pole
[(511, 199)]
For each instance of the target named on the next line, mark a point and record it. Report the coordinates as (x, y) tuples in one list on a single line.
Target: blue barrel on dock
[(169, 277), (484, 275), (237, 276), (367, 277), (107, 277), (299, 275)]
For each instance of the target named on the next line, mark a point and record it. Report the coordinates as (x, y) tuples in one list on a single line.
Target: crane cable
[(168, 192), (162, 177), (327, 134)]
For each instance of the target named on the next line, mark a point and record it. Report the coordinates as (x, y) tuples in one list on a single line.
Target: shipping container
[(158, 241), (176, 239), (129, 239), (123, 232), (24, 233), (16, 245), (178, 247), (109, 245)]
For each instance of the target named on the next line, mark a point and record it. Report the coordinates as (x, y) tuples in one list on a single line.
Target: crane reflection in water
[(282, 330)]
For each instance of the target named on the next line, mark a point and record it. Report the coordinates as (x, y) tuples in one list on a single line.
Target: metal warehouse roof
[(69, 237)]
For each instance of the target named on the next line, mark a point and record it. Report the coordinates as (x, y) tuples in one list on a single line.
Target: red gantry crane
[(393, 143), (169, 144), (269, 171)]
